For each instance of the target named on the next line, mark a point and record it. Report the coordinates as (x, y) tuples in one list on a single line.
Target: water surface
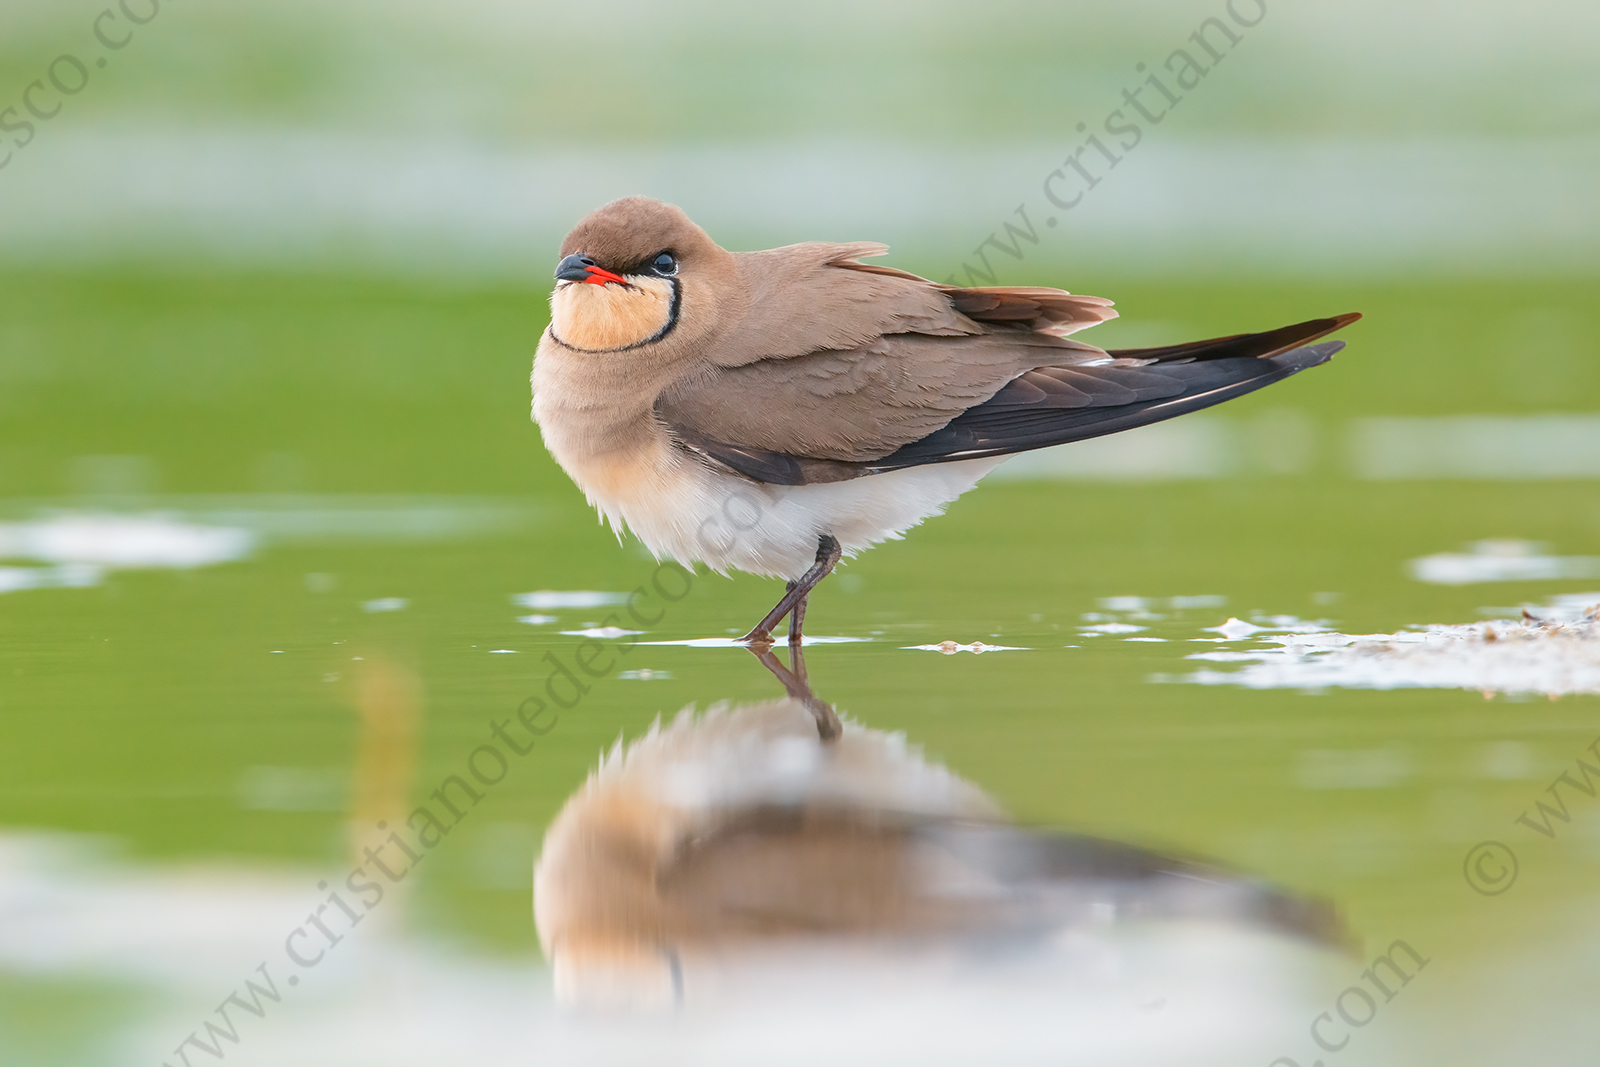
[(315, 511)]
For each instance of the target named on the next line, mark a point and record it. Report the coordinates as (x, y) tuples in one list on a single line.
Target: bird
[(739, 832), (774, 411)]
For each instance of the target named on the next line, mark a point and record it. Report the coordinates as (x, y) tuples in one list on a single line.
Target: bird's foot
[(759, 639), (793, 603)]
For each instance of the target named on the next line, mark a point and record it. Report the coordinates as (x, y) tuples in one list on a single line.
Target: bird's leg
[(828, 552), (795, 684), (761, 636), (797, 618), (797, 658)]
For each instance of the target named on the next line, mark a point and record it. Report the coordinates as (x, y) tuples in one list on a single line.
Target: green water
[(133, 710)]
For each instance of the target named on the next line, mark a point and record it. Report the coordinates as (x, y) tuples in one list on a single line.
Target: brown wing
[(800, 301), (838, 361), (860, 404), (816, 297)]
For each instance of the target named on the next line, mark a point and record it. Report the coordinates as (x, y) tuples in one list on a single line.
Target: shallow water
[(233, 639)]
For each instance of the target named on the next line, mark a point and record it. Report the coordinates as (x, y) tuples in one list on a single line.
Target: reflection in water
[(796, 683), (389, 702), (735, 860)]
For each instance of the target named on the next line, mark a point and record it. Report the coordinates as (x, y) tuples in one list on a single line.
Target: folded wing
[(860, 404), (842, 369)]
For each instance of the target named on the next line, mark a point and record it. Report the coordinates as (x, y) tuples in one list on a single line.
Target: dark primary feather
[(1057, 405), (1269, 343)]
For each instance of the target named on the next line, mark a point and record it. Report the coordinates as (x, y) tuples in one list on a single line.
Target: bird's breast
[(605, 318)]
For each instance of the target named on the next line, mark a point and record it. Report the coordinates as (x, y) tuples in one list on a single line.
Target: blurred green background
[(286, 259)]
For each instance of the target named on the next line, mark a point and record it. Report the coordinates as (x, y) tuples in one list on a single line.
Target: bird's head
[(626, 273)]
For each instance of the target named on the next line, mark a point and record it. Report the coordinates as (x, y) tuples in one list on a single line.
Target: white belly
[(693, 513)]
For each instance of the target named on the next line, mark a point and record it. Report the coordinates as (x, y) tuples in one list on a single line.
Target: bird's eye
[(664, 264)]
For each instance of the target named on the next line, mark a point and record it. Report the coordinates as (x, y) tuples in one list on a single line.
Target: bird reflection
[(795, 683), (758, 830)]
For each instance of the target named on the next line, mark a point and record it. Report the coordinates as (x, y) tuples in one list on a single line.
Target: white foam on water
[(1556, 655), (81, 542), (1501, 560), (66, 576), (124, 541), (950, 648), (1565, 607), (1234, 629), (552, 599)]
